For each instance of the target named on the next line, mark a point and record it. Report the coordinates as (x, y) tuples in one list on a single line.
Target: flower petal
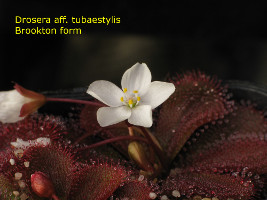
[(141, 116), (138, 77), (157, 93), (28, 93), (107, 115), (31, 107), (10, 106), (106, 92)]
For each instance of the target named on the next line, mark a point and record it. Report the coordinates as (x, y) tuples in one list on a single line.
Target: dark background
[(221, 39)]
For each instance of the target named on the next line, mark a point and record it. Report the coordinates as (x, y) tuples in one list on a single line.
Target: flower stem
[(158, 151), (131, 132), (74, 101), (116, 139), (85, 136)]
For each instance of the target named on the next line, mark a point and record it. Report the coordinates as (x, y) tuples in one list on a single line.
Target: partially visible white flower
[(18, 103), (10, 105), (134, 101)]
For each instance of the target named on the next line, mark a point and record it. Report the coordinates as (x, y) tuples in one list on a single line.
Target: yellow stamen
[(138, 98), (122, 99), (130, 102), (125, 90), (135, 91)]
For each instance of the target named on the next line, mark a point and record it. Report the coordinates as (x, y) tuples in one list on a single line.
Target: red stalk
[(75, 101), (84, 136), (116, 139)]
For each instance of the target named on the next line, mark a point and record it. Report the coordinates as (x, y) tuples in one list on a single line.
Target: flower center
[(130, 100)]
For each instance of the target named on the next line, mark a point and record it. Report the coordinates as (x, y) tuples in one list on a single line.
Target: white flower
[(10, 105), (134, 101), (18, 103)]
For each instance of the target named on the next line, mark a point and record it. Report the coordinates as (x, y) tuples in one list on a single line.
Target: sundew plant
[(186, 138)]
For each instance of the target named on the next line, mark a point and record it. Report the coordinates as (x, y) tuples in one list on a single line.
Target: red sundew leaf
[(57, 163), (133, 190), (88, 119), (31, 128), (197, 100), (4, 142), (6, 188), (98, 181), (10, 165), (232, 144), (206, 184), (100, 153), (235, 156), (5, 166)]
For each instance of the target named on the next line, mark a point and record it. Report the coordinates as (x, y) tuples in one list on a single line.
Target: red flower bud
[(42, 185)]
